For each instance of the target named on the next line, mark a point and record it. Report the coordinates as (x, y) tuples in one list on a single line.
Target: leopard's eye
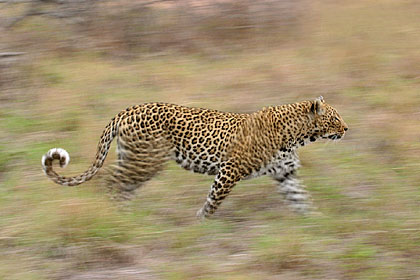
[(337, 119)]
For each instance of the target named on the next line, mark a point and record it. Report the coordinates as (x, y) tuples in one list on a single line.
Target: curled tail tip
[(55, 153)]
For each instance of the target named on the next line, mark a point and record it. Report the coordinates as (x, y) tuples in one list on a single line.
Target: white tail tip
[(56, 153)]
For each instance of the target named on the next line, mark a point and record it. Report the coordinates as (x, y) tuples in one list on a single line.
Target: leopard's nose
[(346, 128)]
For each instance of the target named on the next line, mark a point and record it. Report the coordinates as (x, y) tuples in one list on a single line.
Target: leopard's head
[(328, 123)]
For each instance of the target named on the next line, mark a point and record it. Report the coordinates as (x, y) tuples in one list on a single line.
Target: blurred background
[(68, 66)]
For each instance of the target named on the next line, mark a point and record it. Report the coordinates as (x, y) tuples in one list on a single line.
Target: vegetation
[(362, 56)]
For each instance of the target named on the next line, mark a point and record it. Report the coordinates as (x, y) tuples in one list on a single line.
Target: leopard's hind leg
[(138, 161)]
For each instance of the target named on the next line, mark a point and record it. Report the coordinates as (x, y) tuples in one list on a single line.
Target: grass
[(366, 187)]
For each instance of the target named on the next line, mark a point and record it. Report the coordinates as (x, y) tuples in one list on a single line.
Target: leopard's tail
[(63, 157)]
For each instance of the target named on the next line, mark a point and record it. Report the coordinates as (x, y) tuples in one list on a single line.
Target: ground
[(364, 60)]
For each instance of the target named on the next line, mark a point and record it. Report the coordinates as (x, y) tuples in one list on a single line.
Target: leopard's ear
[(318, 107)]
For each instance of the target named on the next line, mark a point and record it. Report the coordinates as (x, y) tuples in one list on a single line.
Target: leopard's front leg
[(224, 182), (297, 198)]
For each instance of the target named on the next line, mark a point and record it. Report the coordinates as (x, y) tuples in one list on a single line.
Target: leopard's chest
[(281, 163)]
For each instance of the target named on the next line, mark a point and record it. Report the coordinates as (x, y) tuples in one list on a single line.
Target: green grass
[(365, 187)]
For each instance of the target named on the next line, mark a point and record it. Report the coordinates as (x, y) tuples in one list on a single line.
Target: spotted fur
[(230, 146)]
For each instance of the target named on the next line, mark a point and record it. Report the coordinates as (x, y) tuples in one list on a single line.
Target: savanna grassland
[(362, 56)]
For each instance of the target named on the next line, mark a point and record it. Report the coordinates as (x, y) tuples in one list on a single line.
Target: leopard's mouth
[(335, 136)]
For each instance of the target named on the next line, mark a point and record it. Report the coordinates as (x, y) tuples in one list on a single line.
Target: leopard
[(230, 146)]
